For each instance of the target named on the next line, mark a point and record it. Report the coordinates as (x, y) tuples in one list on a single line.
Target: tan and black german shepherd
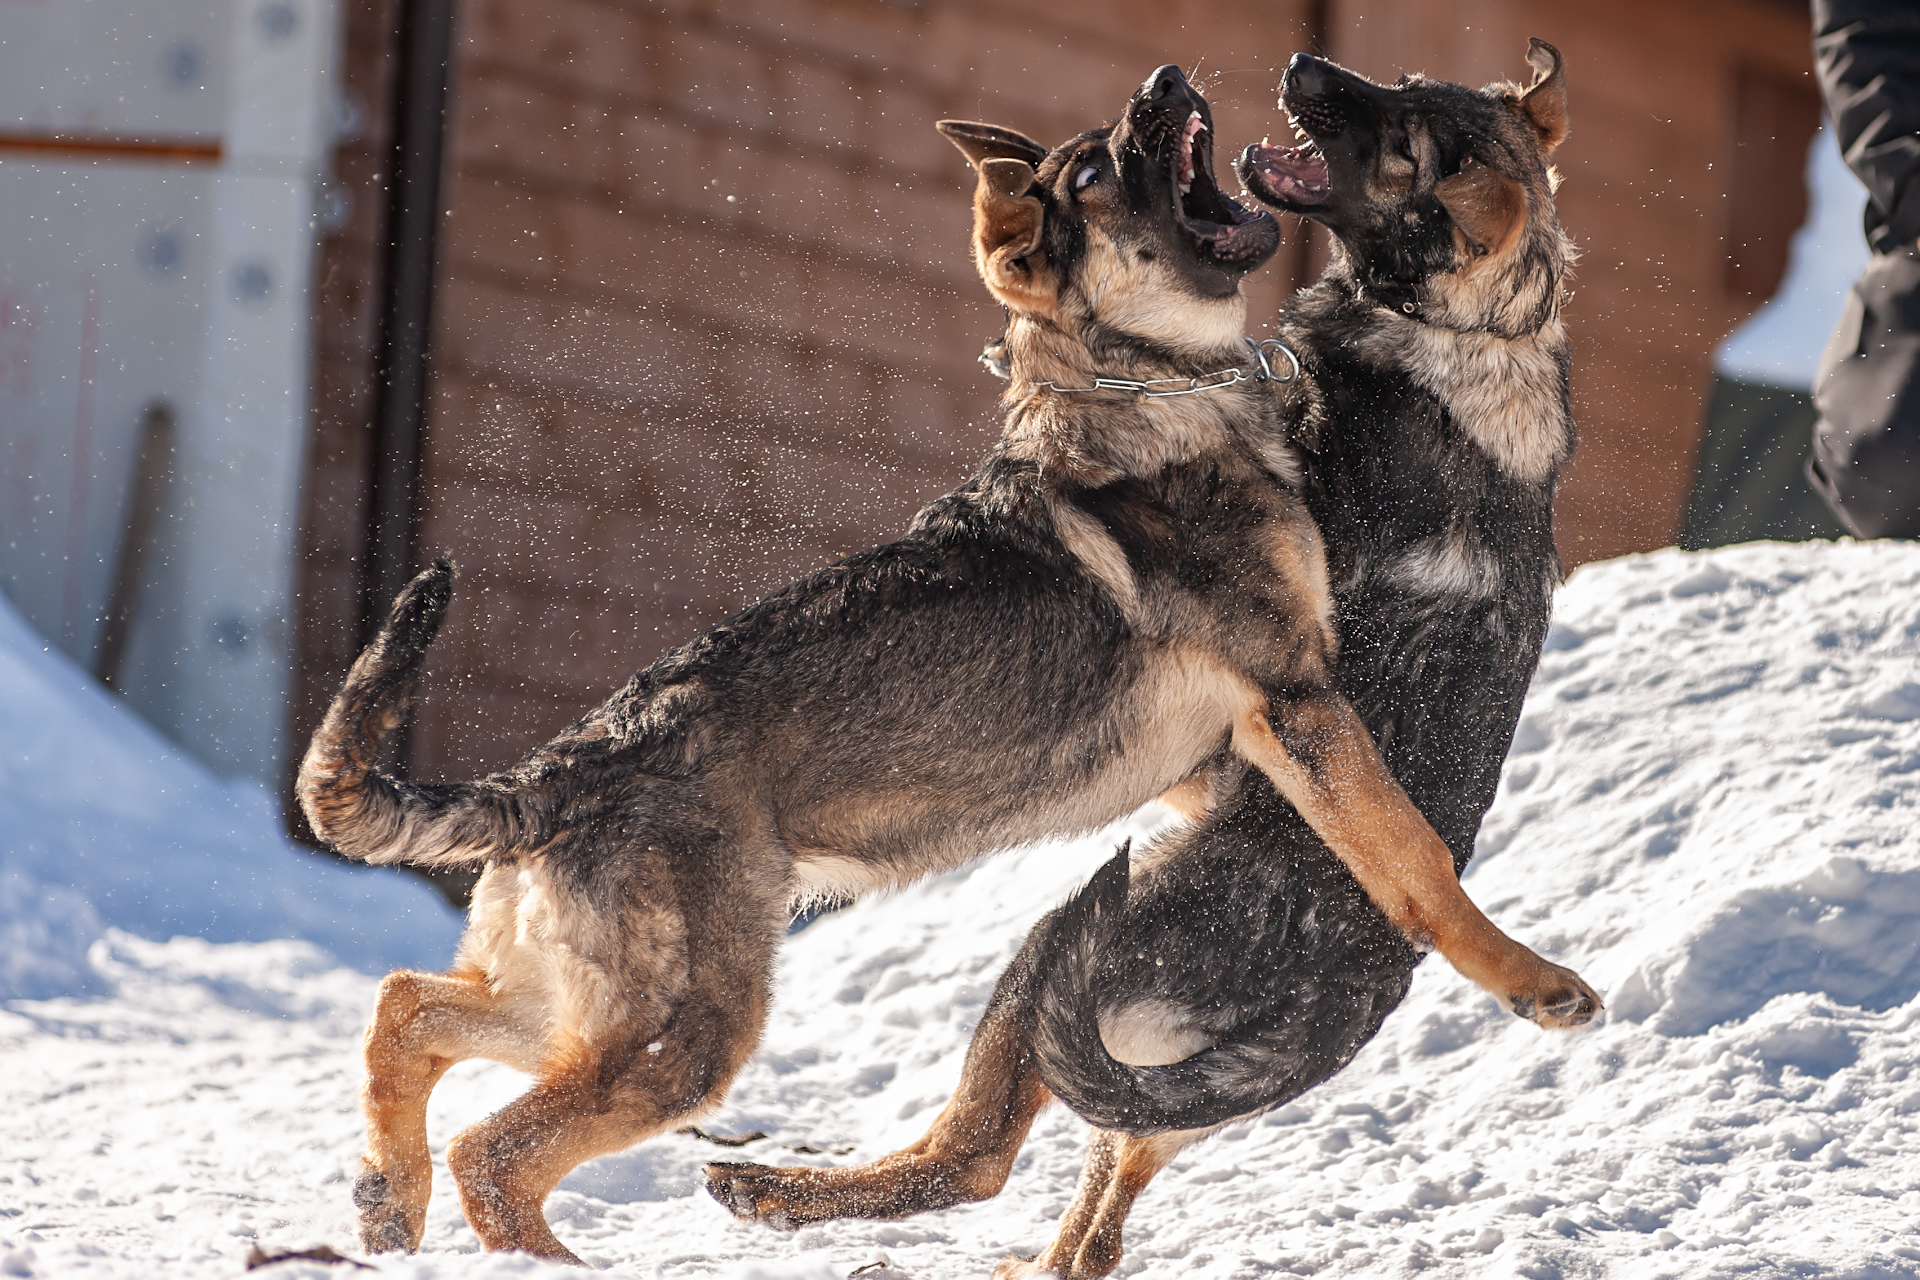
[(1236, 963), (1130, 585)]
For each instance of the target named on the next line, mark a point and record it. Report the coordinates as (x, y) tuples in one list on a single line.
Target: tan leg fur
[(507, 1164), (587, 1100), (1117, 1170), (963, 1157), (422, 1024), (1320, 757)]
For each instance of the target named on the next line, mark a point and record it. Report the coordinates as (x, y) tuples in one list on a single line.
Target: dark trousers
[(1866, 445)]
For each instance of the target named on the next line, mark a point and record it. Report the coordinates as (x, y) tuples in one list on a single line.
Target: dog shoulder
[(1098, 553)]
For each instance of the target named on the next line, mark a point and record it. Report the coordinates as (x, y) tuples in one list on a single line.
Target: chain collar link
[(1261, 370)]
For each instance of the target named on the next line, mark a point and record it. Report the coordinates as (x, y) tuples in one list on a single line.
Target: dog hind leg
[(1087, 1243), (964, 1157), (594, 1098), (506, 1165), (422, 1024)]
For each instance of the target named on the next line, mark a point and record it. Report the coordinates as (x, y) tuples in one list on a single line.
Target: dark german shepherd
[(1239, 962), (1129, 586)]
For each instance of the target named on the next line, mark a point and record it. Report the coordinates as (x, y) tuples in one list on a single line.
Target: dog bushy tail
[(1100, 955), (364, 813), (1069, 1051)]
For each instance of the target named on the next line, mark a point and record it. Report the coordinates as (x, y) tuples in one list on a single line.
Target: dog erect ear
[(1486, 206), (983, 142), (1545, 101), (1008, 220)]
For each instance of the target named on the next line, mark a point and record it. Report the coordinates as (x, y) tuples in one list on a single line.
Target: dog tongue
[(1234, 241)]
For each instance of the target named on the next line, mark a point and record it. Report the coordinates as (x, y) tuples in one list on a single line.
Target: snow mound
[(105, 825), (1709, 811), (1728, 750)]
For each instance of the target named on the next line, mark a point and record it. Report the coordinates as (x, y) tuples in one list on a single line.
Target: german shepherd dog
[(1129, 585), (1239, 962)]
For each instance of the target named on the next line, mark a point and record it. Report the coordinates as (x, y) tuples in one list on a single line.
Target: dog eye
[(1086, 177), (1404, 145)]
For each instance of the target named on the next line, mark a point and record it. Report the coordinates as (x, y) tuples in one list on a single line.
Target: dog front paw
[(1014, 1267), (1558, 1000)]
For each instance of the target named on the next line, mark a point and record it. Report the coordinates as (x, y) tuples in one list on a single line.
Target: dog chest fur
[(1507, 394)]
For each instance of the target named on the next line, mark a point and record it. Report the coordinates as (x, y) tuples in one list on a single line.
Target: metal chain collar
[(1260, 371)]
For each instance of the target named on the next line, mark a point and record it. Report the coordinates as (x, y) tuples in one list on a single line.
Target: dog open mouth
[(1291, 177), (1221, 228), (1295, 177)]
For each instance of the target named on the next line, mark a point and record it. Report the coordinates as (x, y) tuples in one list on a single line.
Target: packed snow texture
[(1709, 811)]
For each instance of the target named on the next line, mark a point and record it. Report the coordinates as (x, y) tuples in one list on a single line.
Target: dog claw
[(386, 1236), (1574, 1008), (722, 1187), (726, 1182), (741, 1188), (1568, 1003)]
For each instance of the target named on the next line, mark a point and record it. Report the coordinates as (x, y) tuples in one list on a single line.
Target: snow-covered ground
[(105, 824), (1709, 811)]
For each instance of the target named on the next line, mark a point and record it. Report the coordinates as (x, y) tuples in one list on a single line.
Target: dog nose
[(1305, 74), (1167, 80)]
